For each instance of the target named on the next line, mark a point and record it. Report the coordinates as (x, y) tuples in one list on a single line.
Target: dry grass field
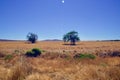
[(57, 63)]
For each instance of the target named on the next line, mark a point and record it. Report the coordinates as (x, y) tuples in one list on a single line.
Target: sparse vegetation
[(32, 37), (83, 56), (8, 57), (109, 53), (16, 51), (2, 55)]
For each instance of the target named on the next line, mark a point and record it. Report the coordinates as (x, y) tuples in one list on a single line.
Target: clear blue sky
[(51, 19)]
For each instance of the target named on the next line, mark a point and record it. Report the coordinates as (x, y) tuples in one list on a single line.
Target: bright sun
[(63, 1)]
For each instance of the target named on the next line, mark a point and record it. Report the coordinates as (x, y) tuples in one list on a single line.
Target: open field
[(50, 46), (54, 65)]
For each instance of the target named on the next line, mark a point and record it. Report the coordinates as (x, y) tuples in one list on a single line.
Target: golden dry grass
[(49, 66), (9, 47)]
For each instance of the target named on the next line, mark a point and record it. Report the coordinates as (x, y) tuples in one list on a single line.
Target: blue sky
[(51, 19)]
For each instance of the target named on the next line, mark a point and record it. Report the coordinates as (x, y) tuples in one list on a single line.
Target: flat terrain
[(52, 46), (51, 66)]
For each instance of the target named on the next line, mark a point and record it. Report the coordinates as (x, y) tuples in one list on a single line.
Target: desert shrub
[(64, 56), (16, 51), (33, 53), (43, 51), (115, 53), (109, 54), (8, 57), (2, 55), (29, 53), (82, 56), (36, 51)]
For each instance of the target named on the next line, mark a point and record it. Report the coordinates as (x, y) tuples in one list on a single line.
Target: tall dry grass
[(62, 69), (57, 62)]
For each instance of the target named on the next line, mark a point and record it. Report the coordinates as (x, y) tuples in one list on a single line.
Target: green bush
[(29, 53), (33, 53), (8, 57), (43, 51), (82, 56), (16, 51)]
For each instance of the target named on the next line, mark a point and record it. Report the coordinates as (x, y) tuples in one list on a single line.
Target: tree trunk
[(72, 42)]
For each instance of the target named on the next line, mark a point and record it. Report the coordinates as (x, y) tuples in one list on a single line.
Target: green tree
[(71, 37), (32, 37)]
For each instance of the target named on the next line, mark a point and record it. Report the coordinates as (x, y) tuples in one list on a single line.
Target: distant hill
[(52, 40), (24, 40), (6, 40), (109, 40), (9, 40)]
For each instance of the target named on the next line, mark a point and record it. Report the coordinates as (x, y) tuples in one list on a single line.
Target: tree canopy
[(32, 37), (71, 37)]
